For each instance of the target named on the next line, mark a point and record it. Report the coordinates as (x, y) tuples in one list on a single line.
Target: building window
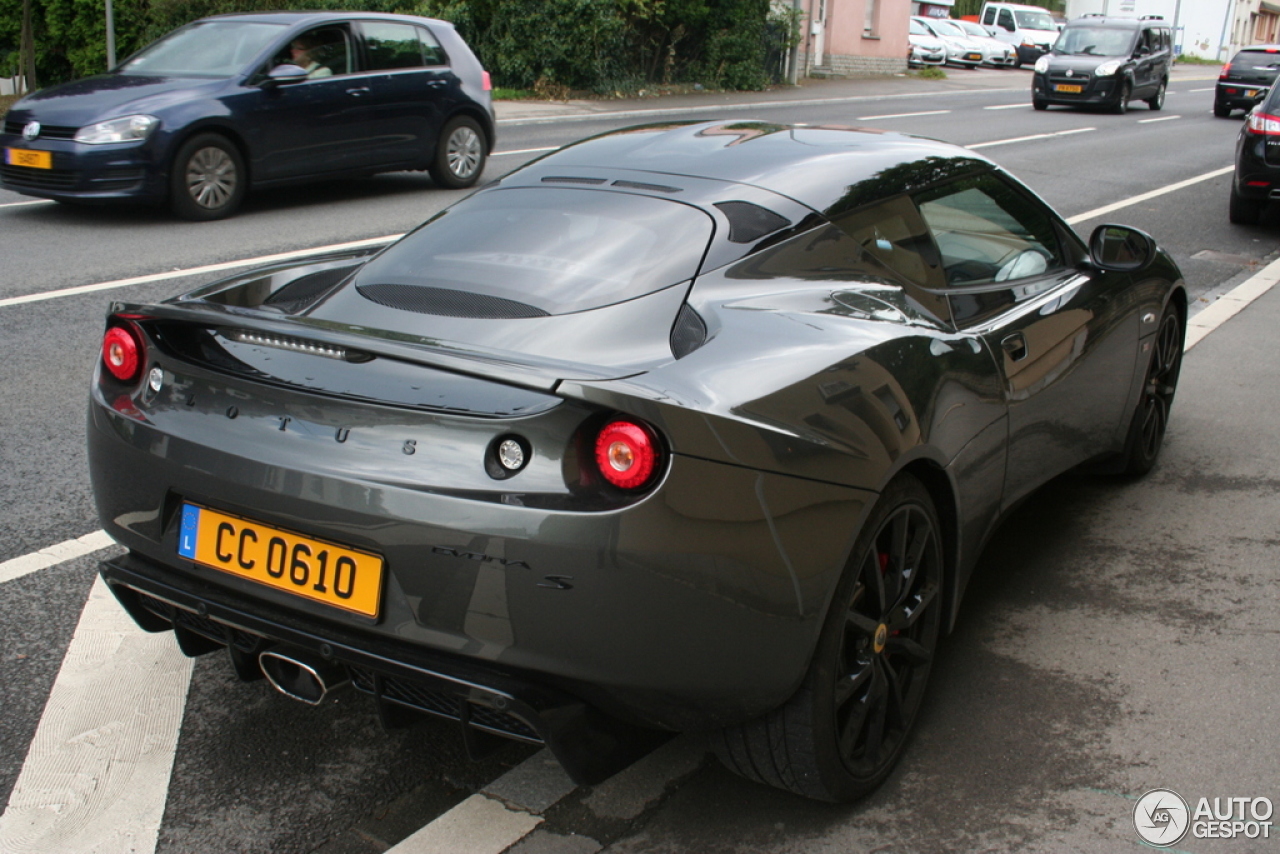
[(871, 23)]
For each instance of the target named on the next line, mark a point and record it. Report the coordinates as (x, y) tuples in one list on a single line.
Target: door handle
[(1015, 346), (437, 84), (359, 91)]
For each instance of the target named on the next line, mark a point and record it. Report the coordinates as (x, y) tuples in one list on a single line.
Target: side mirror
[(286, 74), (1120, 248), (1142, 50)]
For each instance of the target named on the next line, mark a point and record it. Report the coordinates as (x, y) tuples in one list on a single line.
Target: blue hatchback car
[(256, 100)]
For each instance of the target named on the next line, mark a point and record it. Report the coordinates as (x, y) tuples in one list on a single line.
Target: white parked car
[(961, 50), (926, 48), (995, 53)]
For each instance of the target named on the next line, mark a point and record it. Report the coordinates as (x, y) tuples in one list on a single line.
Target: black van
[(1106, 62)]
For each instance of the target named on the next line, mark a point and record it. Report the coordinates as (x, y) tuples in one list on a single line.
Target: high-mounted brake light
[(627, 454), (122, 352), (1264, 124)]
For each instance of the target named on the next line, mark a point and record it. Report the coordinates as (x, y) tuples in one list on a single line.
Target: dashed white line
[(196, 271), (53, 555), (1161, 119), (1031, 138), (903, 115), (26, 204), (524, 151), (1210, 89), (1133, 200), (1009, 106), (96, 775)]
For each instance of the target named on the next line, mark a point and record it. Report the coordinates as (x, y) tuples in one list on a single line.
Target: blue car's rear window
[(555, 250), (205, 49)]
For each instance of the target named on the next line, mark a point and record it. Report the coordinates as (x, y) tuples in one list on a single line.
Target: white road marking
[(1231, 303), (1133, 200), (524, 151), (903, 115), (1210, 89), (1031, 138), (196, 271), (53, 555), (1009, 106), (97, 772), (707, 108), (1161, 119), (25, 204)]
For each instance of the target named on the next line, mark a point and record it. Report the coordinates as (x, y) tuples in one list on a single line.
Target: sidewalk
[(809, 90)]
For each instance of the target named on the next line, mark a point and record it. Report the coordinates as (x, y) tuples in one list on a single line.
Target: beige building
[(853, 37)]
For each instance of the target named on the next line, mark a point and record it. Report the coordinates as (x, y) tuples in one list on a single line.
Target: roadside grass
[(501, 93), (930, 72), (1192, 59)]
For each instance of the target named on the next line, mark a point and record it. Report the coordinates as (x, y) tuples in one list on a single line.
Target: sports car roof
[(826, 168)]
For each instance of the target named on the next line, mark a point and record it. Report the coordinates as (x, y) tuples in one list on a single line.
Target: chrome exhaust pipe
[(302, 675)]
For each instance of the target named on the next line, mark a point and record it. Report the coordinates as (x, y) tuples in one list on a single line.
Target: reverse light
[(627, 454), (122, 353), (1264, 124), (126, 129)]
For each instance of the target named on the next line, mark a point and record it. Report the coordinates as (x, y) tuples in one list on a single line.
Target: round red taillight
[(627, 454), (122, 353)]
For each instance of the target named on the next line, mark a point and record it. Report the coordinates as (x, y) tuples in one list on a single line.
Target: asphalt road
[(1109, 629)]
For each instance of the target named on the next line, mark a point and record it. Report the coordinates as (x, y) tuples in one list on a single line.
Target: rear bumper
[(1235, 96), (590, 745)]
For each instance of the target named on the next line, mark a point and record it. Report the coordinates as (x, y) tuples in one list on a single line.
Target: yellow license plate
[(1249, 93), (316, 570), (30, 159), (1064, 87)]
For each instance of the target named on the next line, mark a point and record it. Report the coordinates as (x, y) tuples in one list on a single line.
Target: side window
[(321, 52), (988, 231), (989, 16), (432, 53), (893, 234), (390, 45), (1006, 20)]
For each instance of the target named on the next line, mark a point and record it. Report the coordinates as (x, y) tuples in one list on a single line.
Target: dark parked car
[(1245, 80), (1257, 176), (1106, 62), (239, 101), (684, 427)]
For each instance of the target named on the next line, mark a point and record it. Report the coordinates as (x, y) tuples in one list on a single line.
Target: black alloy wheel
[(1242, 210), (1156, 101), (843, 731), (1122, 103), (208, 178), (1151, 418), (460, 154)]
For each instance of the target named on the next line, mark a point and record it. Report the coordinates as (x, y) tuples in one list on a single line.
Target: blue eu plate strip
[(187, 536)]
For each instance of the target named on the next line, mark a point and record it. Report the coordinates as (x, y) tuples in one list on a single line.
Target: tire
[(842, 732), (1151, 417), (1121, 105), (208, 178), (460, 154), (1039, 105), (1156, 101), (1222, 111), (1242, 210)]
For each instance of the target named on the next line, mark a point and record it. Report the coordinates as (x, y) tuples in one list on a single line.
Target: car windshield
[(204, 49), (1034, 20), (1094, 41), (948, 28), (971, 28), (917, 29), (556, 250)]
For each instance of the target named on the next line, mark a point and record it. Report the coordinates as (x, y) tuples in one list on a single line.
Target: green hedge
[(594, 45)]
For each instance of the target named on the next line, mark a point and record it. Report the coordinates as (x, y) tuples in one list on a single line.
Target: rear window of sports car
[(553, 249)]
